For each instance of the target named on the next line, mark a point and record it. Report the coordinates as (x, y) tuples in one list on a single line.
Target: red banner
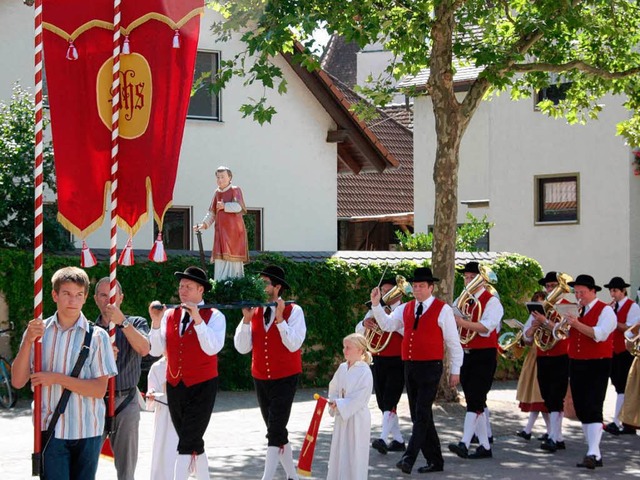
[(310, 439), (160, 40)]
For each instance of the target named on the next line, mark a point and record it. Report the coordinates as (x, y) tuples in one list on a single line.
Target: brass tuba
[(633, 339), (469, 306), (544, 337), (510, 342), (378, 339)]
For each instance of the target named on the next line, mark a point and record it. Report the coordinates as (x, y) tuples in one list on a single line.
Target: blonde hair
[(360, 342)]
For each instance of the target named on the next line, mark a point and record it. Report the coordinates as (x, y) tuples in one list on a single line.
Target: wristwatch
[(126, 322)]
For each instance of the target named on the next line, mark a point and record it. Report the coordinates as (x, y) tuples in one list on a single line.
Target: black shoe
[(481, 452), (543, 437), (613, 429), (589, 462), (380, 446), (561, 445), (627, 430), (459, 449), (430, 467), (523, 434), (396, 446), (549, 445), (404, 466)]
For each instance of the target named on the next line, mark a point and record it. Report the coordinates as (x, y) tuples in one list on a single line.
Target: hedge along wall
[(331, 293)]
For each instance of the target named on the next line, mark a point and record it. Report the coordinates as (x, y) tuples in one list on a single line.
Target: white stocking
[(555, 421), (481, 431), (395, 427), (470, 421), (386, 425), (547, 422), (487, 416), (558, 428), (532, 419), (202, 467), (286, 459), (595, 434), (270, 463), (619, 402), (181, 470)]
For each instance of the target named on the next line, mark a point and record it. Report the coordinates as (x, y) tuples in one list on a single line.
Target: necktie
[(582, 311), (185, 322), (418, 315), (267, 315), (615, 307)]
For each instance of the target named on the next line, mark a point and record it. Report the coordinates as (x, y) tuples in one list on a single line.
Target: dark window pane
[(176, 229), (558, 199), (555, 93), (205, 104), (253, 223)]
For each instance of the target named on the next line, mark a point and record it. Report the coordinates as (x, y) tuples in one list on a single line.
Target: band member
[(230, 251), (590, 351), (628, 314), (276, 362), (428, 325), (630, 413), (553, 369), (528, 392), (192, 338), (132, 343), (388, 376), (479, 365)]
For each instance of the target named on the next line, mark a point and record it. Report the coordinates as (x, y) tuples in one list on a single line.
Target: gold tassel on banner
[(309, 445)]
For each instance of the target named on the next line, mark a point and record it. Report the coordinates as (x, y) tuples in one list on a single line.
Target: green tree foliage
[(17, 153), (467, 236), (520, 45)]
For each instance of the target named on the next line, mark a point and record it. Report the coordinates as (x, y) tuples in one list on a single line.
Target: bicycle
[(8, 394)]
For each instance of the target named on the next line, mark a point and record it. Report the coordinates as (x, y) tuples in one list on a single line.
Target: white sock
[(532, 419), (585, 430), (270, 463), (487, 415), (286, 459), (395, 427), (481, 432), (202, 467), (595, 434), (555, 420), (619, 402), (558, 428), (470, 421), (547, 422), (181, 470), (386, 425)]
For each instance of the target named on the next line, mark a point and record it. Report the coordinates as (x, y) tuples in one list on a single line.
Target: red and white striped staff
[(37, 237), (115, 132)]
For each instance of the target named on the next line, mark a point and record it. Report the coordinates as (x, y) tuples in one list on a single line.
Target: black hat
[(617, 282), (550, 277), (423, 274), (585, 281), (197, 275), (389, 281), (471, 267), (273, 272)]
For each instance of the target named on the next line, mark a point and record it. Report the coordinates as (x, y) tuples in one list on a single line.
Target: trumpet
[(633, 339), (467, 304)]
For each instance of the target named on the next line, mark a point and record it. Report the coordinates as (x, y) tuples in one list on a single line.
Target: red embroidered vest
[(479, 342), (618, 335), (582, 347), (427, 341), (185, 359), (271, 360)]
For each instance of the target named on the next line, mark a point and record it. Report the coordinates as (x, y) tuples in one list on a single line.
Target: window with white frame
[(204, 103), (557, 199)]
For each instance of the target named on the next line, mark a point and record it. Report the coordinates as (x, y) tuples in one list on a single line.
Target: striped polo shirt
[(84, 416)]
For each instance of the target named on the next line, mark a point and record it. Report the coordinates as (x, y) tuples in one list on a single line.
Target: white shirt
[(492, 313), (446, 322), (633, 316), (607, 322), (360, 328), (292, 331), (210, 335)]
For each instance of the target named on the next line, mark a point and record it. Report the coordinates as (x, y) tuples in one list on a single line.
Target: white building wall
[(285, 168), (506, 145)]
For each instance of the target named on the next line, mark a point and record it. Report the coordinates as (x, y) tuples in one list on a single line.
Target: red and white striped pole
[(37, 237), (115, 132)]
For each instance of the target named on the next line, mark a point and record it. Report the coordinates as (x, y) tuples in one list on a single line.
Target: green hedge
[(332, 294)]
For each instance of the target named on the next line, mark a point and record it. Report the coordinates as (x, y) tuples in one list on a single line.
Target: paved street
[(235, 443)]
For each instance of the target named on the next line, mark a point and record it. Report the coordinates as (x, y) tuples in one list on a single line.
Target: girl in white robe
[(165, 438), (349, 394)]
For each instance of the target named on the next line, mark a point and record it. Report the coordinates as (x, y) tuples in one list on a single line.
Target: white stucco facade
[(507, 145), (286, 168)]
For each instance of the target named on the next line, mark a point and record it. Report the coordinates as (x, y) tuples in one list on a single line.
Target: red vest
[(618, 335), (427, 341), (185, 359), (560, 348), (479, 342), (271, 360), (582, 347), (393, 348)]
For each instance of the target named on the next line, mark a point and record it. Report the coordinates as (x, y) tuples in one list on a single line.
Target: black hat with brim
[(423, 274), (617, 282), (471, 267), (195, 274), (550, 277), (273, 272), (585, 281)]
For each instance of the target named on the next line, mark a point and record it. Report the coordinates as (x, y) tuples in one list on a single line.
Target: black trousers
[(589, 379), (620, 366), (275, 398), (388, 381), (190, 409), (476, 377), (553, 380), (422, 379)]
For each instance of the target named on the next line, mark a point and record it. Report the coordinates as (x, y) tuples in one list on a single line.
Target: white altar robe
[(351, 389)]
